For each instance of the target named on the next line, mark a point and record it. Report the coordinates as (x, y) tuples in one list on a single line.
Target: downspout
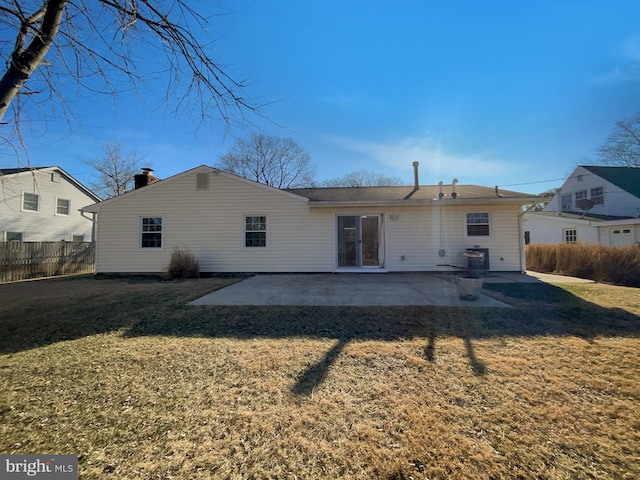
[(93, 223), (521, 246)]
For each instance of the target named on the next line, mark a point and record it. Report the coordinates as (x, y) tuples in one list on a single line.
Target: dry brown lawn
[(121, 372)]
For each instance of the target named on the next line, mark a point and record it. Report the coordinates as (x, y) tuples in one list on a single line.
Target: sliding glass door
[(359, 241)]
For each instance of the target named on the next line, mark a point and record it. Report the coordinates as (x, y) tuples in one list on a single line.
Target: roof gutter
[(434, 201)]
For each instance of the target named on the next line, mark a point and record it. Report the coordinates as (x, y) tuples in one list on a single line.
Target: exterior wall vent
[(202, 181)]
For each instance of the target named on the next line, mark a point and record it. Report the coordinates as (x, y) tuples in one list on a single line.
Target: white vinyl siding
[(211, 223), (608, 198), (432, 238), (45, 225)]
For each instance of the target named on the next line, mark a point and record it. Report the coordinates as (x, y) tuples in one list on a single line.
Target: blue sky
[(509, 93)]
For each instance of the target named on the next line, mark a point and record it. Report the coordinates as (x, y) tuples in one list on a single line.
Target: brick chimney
[(145, 178)]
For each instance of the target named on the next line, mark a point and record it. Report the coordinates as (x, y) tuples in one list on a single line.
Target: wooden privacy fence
[(24, 260)]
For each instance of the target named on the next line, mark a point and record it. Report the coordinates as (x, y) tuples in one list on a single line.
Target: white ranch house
[(43, 204), (595, 205), (236, 225)]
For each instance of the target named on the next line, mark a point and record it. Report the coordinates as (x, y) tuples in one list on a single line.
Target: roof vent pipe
[(440, 193), (416, 184), (453, 188)]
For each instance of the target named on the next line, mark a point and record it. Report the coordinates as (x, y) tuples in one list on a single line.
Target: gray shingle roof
[(392, 194)]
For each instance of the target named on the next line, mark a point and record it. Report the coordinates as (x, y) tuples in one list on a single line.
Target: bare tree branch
[(279, 162), (114, 170), (363, 178), (622, 147), (105, 46)]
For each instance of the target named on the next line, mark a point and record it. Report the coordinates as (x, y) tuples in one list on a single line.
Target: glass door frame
[(381, 248)]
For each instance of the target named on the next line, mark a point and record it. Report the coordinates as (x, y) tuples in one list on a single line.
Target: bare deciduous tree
[(363, 178), (114, 170), (622, 147), (105, 46), (279, 162)]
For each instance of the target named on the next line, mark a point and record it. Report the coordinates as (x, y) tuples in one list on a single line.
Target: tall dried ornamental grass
[(617, 265), (183, 264)]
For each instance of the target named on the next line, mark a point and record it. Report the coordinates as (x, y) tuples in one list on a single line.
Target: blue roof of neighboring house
[(626, 178)]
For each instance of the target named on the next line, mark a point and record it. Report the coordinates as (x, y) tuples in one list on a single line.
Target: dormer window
[(597, 196)]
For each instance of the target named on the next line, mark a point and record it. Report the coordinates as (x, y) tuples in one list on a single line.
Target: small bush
[(183, 264), (617, 265)]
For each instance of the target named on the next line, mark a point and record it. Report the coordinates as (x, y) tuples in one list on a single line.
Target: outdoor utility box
[(478, 260)]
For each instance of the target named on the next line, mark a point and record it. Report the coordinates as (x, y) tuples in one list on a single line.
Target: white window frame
[(6, 235), (597, 196), (245, 231), (57, 213), (580, 194), (569, 235), (37, 210), (141, 232), (467, 224)]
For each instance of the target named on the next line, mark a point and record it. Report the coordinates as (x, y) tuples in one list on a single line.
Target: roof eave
[(434, 201)]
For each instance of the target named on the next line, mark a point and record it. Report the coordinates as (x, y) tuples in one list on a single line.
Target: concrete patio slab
[(349, 289)]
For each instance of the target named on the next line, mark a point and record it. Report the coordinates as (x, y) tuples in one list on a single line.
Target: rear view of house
[(236, 225), (43, 204)]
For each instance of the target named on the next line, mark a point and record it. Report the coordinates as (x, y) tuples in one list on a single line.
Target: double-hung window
[(151, 232), (255, 231), (478, 224), (597, 196), (30, 202), (62, 206), (581, 194)]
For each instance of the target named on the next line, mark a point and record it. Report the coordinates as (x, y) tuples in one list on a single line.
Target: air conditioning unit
[(478, 259)]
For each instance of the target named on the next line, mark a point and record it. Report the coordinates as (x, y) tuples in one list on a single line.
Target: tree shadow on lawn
[(538, 309), (159, 310)]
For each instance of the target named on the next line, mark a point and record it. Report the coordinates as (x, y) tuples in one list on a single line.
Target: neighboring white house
[(43, 204), (236, 225), (596, 204)]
